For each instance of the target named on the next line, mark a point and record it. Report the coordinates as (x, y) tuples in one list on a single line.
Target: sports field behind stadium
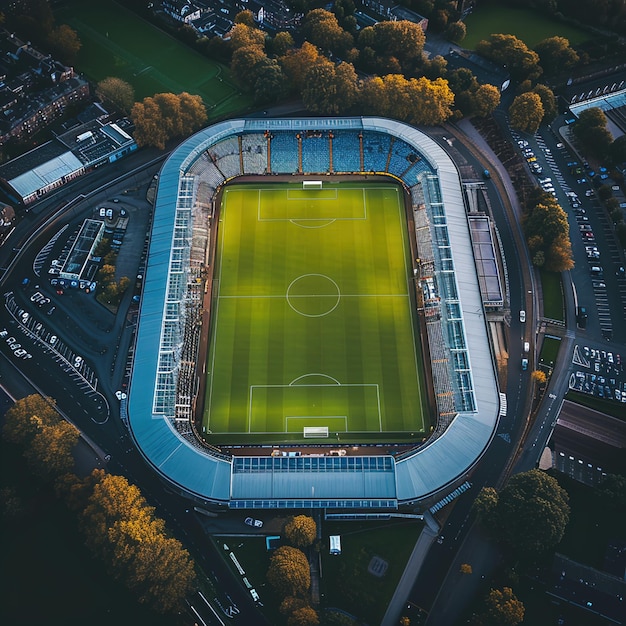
[(313, 316), (117, 42)]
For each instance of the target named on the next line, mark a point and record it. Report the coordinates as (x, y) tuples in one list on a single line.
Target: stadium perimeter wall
[(209, 477)]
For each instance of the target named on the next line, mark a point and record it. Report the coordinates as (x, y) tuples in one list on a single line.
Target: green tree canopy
[(547, 232), (289, 572), (300, 531), (526, 112), (245, 17)]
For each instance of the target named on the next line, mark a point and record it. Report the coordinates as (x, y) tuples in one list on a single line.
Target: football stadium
[(311, 331)]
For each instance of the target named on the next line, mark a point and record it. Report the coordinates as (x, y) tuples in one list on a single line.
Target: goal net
[(315, 431)]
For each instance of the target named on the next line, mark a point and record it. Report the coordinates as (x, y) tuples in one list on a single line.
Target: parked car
[(256, 523)]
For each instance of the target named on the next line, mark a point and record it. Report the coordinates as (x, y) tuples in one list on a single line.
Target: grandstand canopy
[(240, 147)]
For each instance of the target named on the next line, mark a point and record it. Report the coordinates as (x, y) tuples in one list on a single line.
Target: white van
[(526, 346)]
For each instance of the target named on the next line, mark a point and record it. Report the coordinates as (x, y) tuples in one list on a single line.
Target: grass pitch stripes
[(312, 315)]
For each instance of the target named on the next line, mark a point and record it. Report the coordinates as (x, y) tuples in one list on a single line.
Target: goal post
[(311, 184), (315, 431)]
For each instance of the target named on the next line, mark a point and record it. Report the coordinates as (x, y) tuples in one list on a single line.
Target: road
[(85, 394)]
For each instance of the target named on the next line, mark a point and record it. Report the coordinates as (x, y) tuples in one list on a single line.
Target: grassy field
[(529, 26), (549, 350), (348, 584), (552, 290), (313, 317), (116, 42)]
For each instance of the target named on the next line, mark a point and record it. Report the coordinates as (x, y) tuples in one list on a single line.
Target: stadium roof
[(220, 479)]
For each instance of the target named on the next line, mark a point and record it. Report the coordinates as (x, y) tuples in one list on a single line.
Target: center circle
[(313, 295)]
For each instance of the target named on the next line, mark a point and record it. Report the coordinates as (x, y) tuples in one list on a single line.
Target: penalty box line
[(376, 386), (316, 417), (260, 217)]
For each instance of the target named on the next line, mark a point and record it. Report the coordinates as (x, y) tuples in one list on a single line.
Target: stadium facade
[(164, 382)]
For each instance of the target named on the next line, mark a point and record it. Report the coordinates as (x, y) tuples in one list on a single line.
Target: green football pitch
[(313, 319), (116, 42)]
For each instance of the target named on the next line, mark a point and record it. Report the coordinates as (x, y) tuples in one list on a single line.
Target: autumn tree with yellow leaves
[(166, 116), (289, 572), (121, 529), (300, 531)]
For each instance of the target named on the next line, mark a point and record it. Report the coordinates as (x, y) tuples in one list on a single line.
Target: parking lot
[(573, 183), (598, 372)]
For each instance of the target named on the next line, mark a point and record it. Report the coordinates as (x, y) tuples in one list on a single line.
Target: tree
[(304, 616), (401, 39), (166, 116), (486, 99), (244, 65), (289, 572), (612, 491), (300, 531), (485, 503), (532, 513), (322, 29), (282, 43), (502, 608), (118, 92), (270, 84), (245, 17), (466, 568), (591, 129), (511, 52), (548, 101), (290, 604), (456, 31), (539, 377), (298, 61), (49, 454), (556, 55), (618, 149), (329, 89), (242, 36), (112, 499), (19, 425), (547, 231), (431, 100), (121, 529), (191, 112), (526, 112), (64, 43)]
